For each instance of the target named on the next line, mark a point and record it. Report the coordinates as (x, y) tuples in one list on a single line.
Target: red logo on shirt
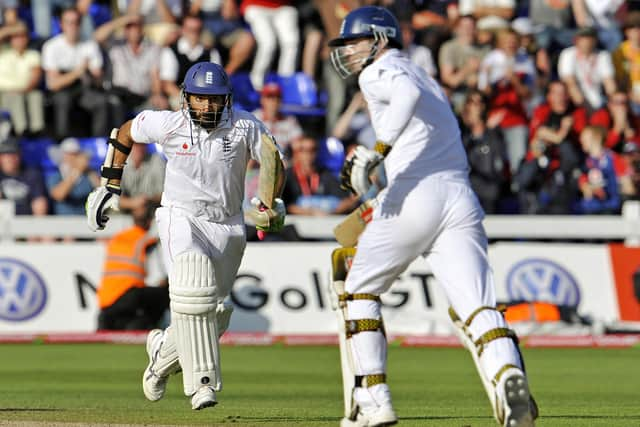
[(185, 147)]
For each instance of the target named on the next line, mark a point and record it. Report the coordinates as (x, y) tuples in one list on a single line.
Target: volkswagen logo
[(538, 279), (23, 293)]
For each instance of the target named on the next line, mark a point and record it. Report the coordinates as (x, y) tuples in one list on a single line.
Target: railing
[(501, 227)]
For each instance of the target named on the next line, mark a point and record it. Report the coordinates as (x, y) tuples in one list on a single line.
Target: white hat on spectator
[(523, 26), (492, 23), (70, 146)]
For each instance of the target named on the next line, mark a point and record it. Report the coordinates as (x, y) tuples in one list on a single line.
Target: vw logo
[(538, 279), (23, 293)]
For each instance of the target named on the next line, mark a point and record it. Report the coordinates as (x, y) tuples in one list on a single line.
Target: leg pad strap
[(370, 380), (353, 327)]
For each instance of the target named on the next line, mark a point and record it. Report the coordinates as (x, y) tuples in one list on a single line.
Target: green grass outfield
[(301, 386)]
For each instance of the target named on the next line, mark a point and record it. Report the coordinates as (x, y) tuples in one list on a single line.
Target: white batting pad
[(192, 290), (166, 362)]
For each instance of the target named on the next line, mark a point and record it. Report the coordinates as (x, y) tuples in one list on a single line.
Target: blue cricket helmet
[(365, 22), (207, 78)]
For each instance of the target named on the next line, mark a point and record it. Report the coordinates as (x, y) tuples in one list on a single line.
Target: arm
[(502, 12), (574, 90), (165, 12), (580, 13), (57, 80), (40, 206), (104, 31), (341, 127), (34, 78)]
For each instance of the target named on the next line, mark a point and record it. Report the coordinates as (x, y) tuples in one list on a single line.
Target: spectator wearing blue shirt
[(598, 182), (70, 185), (23, 186)]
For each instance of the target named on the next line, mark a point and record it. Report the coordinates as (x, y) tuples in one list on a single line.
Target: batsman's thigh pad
[(192, 290)]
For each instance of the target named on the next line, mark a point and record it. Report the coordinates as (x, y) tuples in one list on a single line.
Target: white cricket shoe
[(514, 399), (379, 417), (152, 384), (205, 397)]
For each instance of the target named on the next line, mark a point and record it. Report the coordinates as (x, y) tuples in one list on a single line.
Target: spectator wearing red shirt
[(507, 76), (622, 126)]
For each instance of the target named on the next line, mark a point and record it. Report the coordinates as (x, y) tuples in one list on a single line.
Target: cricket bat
[(270, 170), (349, 230)]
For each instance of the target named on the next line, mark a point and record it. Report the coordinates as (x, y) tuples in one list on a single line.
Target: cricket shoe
[(205, 397), (514, 400), (153, 385), (379, 417)]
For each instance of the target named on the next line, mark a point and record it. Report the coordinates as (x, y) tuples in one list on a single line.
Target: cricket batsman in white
[(428, 208), (200, 221)]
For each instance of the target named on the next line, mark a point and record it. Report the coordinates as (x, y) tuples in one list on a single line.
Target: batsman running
[(428, 208), (200, 222)]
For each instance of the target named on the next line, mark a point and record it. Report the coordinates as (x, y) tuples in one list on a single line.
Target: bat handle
[(261, 233)]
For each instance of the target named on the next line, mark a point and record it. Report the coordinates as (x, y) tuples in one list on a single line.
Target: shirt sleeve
[(605, 65), (94, 55), (566, 64), (48, 62), (390, 114), (150, 126), (168, 65)]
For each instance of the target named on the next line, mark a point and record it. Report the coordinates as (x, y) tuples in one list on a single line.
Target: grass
[(301, 386)]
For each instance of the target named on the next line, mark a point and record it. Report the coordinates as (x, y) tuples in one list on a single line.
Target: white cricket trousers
[(441, 218), (224, 243), (270, 27)]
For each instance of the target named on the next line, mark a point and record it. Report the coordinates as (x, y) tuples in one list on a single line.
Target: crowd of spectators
[(547, 92)]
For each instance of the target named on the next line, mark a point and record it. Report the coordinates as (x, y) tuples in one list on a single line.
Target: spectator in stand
[(420, 55), (528, 46), (311, 190), (274, 25), (486, 152), (8, 12), (601, 15), (586, 70), (222, 19), (24, 186), (556, 30), (354, 125), (43, 12), (178, 57), (599, 180), (160, 17), (143, 178), (619, 121), (134, 292), (508, 78), (545, 182), (20, 78), (285, 129), (626, 60), (135, 62), (630, 177), (556, 121), (459, 61), (74, 76), (504, 9), (70, 185)]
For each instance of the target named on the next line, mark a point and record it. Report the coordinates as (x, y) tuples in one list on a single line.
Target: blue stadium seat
[(97, 148), (244, 95), (39, 153), (299, 95), (331, 154)]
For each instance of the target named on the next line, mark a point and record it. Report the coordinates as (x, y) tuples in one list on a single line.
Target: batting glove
[(355, 172), (268, 220), (99, 203)]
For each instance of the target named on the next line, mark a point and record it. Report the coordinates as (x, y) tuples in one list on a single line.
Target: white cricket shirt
[(205, 171), (410, 112)]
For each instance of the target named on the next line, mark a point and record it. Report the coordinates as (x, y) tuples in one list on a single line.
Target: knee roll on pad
[(192, 290)]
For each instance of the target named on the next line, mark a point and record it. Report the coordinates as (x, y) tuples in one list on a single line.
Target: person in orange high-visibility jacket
[(125, 300)]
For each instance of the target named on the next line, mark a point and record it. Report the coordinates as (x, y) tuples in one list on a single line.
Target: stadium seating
[(331, 154), (244, 95), (300, 95), (39, 153)]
